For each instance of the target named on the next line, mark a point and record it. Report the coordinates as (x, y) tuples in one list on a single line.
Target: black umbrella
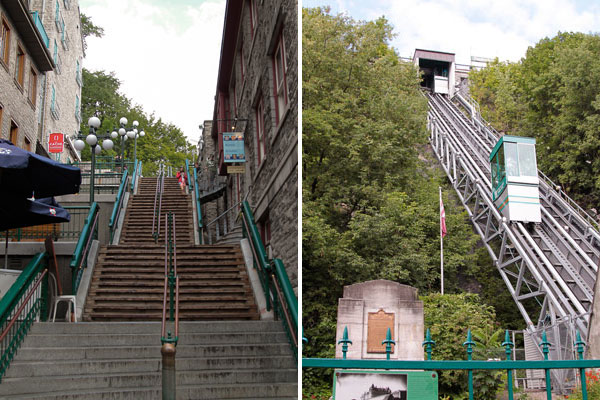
[(24, 174), (20, 213)]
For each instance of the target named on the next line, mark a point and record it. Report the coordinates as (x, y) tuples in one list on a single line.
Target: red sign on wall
[(55, 143)]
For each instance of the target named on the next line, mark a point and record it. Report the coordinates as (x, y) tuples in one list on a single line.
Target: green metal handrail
[(60, 231), (79, 259), (116, 212), (160, 181), (198, 208), (23, 296), (136, 173), (187, 173), (274, 279)]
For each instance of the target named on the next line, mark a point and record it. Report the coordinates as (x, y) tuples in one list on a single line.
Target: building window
[(78, 75), (14, 133), (32, 86), (77, 116), (260, 132), (264, 226), (241, 58), (54, 109), (280, 79), (1, 121), (253, 16), (27, 144), (20, 66), (5, 43)]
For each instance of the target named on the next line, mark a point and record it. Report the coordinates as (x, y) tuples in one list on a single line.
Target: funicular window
[(527, 165), (511, 159)]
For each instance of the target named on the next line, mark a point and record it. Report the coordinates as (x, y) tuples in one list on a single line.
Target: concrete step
[(85, 328), (146, 379), (285, 391)]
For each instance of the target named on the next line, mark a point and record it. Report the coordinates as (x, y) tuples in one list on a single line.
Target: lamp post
[(92, 140), (128, 133)]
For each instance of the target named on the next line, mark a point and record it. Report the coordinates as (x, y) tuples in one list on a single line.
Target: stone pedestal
[(368, 308)]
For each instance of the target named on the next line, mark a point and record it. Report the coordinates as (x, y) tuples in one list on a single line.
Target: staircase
[(115, 360), (224, 350), (128, 278)]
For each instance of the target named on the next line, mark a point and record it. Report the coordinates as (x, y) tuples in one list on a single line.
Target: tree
[(163, 141), (89, 29), (552, 94)]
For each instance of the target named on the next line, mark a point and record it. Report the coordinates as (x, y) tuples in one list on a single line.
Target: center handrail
[(158, 199), (83, 247), (198, 207)]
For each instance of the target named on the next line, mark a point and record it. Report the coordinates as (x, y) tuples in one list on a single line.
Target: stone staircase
[(115, 360), (224, 351), (128, 279)]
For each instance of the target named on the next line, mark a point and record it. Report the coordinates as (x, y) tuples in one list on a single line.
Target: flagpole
[(441, 247)]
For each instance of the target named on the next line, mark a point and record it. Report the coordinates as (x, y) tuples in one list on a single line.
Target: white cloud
[(170, 69), (503, 29)]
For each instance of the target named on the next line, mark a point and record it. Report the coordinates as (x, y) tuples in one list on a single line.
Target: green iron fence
[(64, 231), (82, 249), (469, 365), (24, 303), (275, 282), (104, 182)]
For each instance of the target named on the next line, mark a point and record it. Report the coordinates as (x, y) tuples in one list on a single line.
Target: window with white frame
[(259, 112), (280, 79)]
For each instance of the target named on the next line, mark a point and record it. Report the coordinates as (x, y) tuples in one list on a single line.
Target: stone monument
[(369, 308)]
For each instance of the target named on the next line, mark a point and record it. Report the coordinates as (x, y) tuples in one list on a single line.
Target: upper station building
[(41, 52), (441, 73)]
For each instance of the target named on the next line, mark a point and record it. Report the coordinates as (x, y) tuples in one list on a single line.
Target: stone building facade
[(257, 95), (42, 52)]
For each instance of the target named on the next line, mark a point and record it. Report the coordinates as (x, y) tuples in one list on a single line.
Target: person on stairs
[(182, 179)]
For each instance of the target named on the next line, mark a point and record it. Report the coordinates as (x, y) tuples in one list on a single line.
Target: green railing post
[(508, 345), (545, 349), (198, 207), (469, 344), (45, 300), (580, 343), (388, 343), (428, 343), (344, 342)]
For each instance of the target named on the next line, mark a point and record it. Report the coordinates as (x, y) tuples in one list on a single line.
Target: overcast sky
[(165, 53), (503, 29)]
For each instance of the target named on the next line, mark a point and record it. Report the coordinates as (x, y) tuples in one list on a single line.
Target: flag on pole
[(442, 217)]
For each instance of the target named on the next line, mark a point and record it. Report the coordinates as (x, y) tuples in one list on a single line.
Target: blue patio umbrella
[(24, 174), (21, 213)]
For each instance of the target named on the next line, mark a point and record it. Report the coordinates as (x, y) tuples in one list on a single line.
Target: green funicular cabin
[(515, 180)]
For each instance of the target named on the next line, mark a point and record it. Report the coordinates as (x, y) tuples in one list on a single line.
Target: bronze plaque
[(377, 326)]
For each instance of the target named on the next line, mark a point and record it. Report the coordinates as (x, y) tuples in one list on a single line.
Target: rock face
[(367, 309)]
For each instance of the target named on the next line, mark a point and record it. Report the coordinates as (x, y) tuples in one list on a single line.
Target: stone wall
[(271, 184)]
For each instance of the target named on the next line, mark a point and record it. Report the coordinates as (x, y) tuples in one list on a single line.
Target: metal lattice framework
[(549, 268)]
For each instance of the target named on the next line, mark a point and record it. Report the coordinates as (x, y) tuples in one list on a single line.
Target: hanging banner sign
[(233, 147), (236, 169), (56, 143)]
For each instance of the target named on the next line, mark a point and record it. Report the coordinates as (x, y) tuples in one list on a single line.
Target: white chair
[(58, 299)]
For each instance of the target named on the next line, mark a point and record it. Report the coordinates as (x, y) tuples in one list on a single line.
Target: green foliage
[(552, 94), (449, 317), (89, 29), (162, 142)]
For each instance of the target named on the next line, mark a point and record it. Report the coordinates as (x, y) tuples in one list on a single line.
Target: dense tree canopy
[(370, 186), (552, 94)]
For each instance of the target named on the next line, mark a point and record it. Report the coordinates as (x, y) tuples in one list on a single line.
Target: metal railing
[(221, 220), (104, 182), (24, 303), (160, 181), (190, 181), (116, 212), (170, 295), (63, 231), (136, 173), (198, 208), (274, 280), (469, 365), (80, 256)]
